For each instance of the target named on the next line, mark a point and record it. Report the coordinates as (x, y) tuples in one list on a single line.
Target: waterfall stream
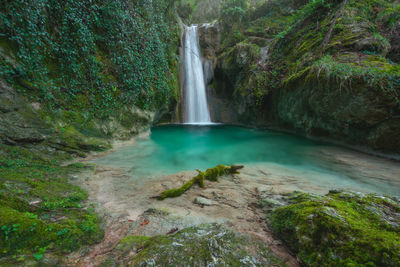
[(195, 105)]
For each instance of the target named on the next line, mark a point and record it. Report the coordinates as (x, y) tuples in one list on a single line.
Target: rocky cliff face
[(219, 103), (274, 68), (18, 120), (23, 123), (359, 114)]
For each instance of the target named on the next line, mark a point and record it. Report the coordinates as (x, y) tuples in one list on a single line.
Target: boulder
[(341, 229)]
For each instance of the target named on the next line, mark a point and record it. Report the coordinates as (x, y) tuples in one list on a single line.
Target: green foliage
[(259, 82), (390, 15), (93, 55), (341, 229), (39, 256), (232, 12)]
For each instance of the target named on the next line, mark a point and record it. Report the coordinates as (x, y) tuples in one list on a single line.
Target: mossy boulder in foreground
[(204, 245), (341, 229)]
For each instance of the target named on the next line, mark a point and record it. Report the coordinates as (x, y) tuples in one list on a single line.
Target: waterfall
[(194, 88)]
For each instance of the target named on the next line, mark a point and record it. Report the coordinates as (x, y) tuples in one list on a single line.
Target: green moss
[(39, 209), (210, 174), (176, 192), (341, 229), (70, 140), (296, 53), (127, 243), (349, 71), (198, 246), (24, 232), (15, 202)]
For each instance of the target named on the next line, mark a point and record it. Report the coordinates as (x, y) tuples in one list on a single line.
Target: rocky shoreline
[(141, 230)]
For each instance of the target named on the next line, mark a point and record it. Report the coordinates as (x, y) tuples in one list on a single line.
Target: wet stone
[(203, 201)]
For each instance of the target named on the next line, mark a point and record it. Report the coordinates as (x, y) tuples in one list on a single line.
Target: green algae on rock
[(341, 229)]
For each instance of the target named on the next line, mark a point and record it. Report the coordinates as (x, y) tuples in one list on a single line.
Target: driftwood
[(210, 174)]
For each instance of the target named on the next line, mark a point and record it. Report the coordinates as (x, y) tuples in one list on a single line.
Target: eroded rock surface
[(18, 121)]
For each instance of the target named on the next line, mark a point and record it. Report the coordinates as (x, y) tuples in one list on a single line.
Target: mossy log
[(210, 174)]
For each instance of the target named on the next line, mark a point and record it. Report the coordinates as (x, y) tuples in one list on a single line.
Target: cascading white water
[(194, 88)]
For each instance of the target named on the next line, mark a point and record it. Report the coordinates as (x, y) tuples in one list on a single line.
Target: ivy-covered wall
[(92, 56)]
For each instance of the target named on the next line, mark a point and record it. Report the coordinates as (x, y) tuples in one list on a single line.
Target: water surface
[(174, 148)]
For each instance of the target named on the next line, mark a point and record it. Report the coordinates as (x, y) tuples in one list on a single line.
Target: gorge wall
[(328, 69), (317, 68)]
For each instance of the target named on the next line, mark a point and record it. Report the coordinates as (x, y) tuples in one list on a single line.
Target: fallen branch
[(210, 174)]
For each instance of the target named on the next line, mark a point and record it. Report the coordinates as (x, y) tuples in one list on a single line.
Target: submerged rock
[(341, 228)]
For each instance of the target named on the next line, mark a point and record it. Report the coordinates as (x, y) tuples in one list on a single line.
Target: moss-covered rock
[(341, 229), (347, 97), (205, 245), (346, 89), (127, 122), (40, 210), (18, 121)]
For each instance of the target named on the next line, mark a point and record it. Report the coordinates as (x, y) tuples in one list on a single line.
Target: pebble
[(203, 201)]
